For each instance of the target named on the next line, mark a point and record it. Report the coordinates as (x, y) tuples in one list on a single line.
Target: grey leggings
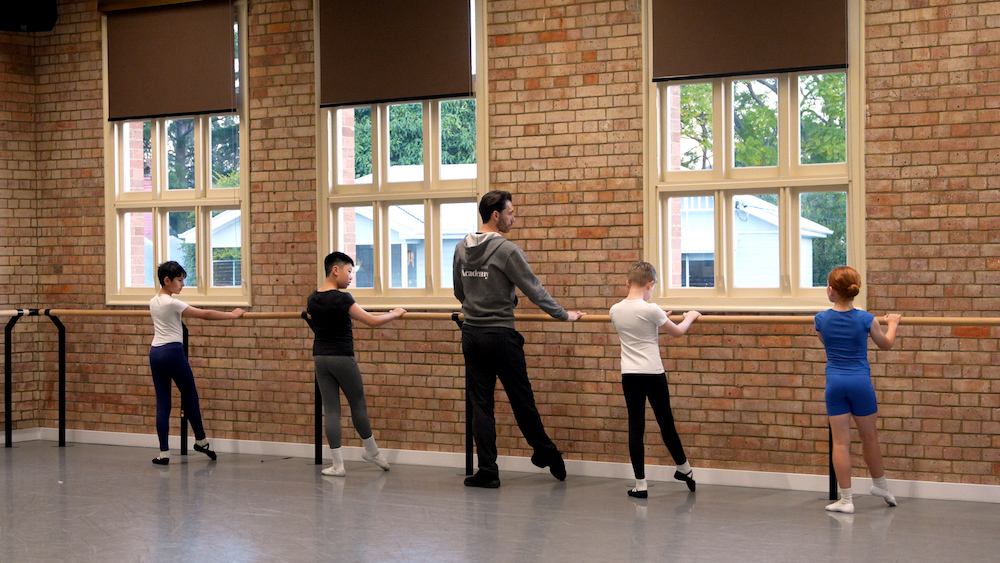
[(334, 373)]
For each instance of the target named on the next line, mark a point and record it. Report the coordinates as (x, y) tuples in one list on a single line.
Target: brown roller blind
[(707, 38), (389, 50), (171, 60), (112, 5)]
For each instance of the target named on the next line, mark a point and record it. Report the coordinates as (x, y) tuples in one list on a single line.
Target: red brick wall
[(18, 271), (565, 135), (931, 158)]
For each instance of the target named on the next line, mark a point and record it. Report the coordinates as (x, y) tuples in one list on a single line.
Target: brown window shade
[(171, 60), (391, 50), (708, 38), (112, 5)]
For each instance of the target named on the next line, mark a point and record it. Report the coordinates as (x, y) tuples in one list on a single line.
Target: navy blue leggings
[(168, 363)]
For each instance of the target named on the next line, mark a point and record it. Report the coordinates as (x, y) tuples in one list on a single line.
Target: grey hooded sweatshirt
[(487, 268)]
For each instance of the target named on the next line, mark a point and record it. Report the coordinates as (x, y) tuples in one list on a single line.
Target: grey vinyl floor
[(109, 503)]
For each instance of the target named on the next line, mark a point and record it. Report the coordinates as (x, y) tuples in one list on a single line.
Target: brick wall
[(565, 135), (18, 272), (931, 154)]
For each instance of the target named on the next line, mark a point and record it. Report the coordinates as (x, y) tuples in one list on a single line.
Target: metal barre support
[(8, 380), (62, 376), (184, 420)]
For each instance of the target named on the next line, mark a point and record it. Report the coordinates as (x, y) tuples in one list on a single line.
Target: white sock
[(338, 456), (846, 494), (684, 468), (640, 484), (370, 446), (880, 483), (164, 455), (203, 442)]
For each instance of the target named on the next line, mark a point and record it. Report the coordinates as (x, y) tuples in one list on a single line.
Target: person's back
[(487, 268), (637, 323), (845, 338)]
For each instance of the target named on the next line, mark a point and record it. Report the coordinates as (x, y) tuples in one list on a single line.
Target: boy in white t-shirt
[(638, 323), (167, 361)]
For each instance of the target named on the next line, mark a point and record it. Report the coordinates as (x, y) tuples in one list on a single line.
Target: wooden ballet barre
[(540, 317)]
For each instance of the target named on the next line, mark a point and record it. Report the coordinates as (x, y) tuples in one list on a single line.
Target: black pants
[(639, 387), (489, 353)]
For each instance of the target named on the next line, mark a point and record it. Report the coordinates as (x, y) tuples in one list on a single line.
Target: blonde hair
[(641, 273), (844, 280)]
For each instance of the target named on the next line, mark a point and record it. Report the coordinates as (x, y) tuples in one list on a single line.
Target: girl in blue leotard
[(844, 331)]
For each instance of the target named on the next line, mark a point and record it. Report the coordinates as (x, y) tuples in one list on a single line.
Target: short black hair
[(170, 270), (495, 200), (336, 259)]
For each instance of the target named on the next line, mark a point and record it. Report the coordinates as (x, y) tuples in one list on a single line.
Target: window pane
[(691, 241), (458, 139), (225, 151), (355, 131), (755, 122), (180, 156), (406, 143), (823, 235), (689, 127), (226, 248), (139, 269), (137, 153), (356, 239), (182, 240), (822, 118), (457, 220), (755, 236), (406, 250)]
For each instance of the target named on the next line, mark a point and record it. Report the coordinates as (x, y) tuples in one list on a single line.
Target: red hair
[(846, 281)]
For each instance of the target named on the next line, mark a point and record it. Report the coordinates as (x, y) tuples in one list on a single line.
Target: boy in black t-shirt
[(330, 316)]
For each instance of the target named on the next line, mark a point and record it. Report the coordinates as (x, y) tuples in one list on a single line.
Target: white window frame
[(788, 179), (159, 201), (380, 194)]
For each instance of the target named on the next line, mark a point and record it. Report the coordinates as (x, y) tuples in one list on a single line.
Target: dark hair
[(495, 200), (170, 270), (336, 259), (846, 281), (641, 273)]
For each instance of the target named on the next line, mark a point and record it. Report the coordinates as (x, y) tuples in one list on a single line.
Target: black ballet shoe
[(686, 477), (638, 494), (205, 450), (161, 460)]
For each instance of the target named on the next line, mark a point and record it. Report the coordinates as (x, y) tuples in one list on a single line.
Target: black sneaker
[(555, 463), (686, 477), (161, 460), (483, 480), (205, 450)]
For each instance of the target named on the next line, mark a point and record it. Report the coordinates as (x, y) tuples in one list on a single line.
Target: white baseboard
[(706, 476)]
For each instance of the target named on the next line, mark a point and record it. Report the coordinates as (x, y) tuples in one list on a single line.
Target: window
[(400, 193), (177, 191), (752, 190), (401, 161)]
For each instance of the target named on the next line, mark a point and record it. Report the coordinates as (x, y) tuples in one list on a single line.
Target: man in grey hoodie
[(487, 269)]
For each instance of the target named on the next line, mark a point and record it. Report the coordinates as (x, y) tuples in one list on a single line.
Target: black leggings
[(639, 387)]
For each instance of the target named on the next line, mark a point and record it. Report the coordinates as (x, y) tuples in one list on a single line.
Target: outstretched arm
[(357, 312), (676, 330), (885, 341), (212, 315)]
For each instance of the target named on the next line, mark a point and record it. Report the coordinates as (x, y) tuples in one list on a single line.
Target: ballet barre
[(54, 314)]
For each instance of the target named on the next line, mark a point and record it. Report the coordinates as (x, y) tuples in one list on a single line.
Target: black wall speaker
[(27, 15)]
